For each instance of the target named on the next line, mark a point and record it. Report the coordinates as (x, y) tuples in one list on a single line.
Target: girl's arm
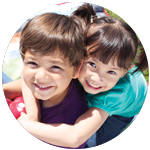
[(18, 88), (31, 103), (12, 89), (67, 135)]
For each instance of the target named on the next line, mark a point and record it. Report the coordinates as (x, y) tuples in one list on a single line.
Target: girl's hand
[(23, 117), (31, 103)]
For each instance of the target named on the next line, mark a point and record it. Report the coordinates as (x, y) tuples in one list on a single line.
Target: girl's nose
[(96, 77)]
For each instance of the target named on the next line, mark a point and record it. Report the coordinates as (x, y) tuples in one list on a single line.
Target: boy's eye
[(32, 63), (92, 64), (55, 67), (111, 72)]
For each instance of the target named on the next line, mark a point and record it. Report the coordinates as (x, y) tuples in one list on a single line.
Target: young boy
[(52, 47)]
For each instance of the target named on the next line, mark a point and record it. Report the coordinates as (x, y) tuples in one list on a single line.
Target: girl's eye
[(92, 64), (111, 72)]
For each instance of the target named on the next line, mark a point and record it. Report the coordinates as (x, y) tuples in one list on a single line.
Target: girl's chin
[(92, 91)]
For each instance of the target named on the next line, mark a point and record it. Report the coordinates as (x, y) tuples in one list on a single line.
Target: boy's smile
[(42, 87), (48, 77)]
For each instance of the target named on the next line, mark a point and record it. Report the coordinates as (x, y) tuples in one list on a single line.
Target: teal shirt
[(125, 99)]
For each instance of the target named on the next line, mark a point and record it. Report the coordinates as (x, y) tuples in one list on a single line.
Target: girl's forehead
[(112, 63)]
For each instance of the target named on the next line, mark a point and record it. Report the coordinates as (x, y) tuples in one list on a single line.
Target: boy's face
[(48, 77), (97, 77)]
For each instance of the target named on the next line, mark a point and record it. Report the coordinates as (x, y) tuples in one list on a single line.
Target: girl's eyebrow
[(113, 68)]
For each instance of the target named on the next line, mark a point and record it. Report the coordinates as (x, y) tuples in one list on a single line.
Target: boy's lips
[(42, 87), (93, 86)]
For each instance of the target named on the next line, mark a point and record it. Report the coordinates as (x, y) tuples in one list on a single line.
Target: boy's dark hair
[(108, 38), (47, 32)]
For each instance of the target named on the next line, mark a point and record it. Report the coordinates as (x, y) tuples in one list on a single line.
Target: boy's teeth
[(43, 86)]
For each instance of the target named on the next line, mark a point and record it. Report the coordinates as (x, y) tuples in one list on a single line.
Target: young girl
[(115, 89)]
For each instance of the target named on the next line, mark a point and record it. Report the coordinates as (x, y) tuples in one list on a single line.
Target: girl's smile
[(97, 77), (91, 85)]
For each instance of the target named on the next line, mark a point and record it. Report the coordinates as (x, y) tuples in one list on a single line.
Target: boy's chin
[(41, 97)]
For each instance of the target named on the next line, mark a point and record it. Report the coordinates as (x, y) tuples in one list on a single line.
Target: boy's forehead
[(55, 52), (54, 57)]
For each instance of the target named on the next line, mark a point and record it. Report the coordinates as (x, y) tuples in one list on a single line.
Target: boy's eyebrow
[(30, 57), (61, 62)]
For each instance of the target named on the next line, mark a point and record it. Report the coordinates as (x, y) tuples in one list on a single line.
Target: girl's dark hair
[(85, 12), (47, 32), (108, 38)]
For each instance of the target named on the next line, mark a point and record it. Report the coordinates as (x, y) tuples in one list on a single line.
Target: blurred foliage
[(146, 74), (111, 14)]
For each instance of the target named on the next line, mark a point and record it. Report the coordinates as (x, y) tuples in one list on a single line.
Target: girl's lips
[(93, 86)]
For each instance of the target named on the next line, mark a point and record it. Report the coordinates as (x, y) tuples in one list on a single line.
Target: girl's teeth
[(95, 86)]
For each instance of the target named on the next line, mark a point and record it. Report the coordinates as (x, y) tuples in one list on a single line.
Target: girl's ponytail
[(141, 60), (85, 12)]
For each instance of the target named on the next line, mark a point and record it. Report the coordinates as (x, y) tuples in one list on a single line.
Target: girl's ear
[(77, 71), (132, 65)]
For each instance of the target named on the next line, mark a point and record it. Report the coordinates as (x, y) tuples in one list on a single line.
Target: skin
[(88, 123), (97, 77), (34, 64), (12, 89), (48, 77)]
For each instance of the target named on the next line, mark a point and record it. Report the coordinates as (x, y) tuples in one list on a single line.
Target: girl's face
[(97, 77)]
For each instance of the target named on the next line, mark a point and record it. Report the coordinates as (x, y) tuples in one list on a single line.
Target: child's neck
[(56, 99)]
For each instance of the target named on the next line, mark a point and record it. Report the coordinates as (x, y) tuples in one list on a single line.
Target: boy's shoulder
[(75, 89), (75, 95)]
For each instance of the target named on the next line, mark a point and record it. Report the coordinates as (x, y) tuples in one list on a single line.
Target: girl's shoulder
[(136, 81), (128, 91), (127, 86)]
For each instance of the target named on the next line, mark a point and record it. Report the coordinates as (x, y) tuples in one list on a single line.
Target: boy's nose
[(41, 75)]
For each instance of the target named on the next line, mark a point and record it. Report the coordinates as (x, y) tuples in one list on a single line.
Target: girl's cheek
[(112, 83), (81, 72)]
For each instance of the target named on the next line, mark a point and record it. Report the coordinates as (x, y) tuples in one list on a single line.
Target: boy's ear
[(76, 75)]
